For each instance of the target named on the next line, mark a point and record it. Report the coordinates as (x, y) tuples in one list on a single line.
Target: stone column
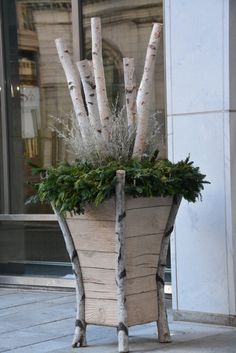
[(200, 40)]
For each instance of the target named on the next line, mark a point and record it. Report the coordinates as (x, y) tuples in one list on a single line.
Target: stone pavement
[(43, 321)]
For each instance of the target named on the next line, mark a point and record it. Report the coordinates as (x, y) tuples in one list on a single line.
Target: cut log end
[(120, 172), (123, 342)]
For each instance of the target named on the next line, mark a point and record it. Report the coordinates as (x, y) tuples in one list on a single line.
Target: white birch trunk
[(144, 93), (162, 323), (123, 337), (79, 339), (87, 77), (103, 105), (74, 88), (130, 92)]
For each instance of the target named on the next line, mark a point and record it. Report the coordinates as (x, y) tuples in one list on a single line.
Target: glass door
[(36, 93)]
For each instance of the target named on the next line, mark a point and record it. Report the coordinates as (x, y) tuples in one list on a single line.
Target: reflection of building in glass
[(30, 106), (126, 29), (39, 23)]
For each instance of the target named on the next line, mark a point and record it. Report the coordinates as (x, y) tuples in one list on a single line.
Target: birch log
[(74, 89), (130, 92), (80, 324), (103, 105), (162, 324), (87, 77), (144, 93), (123, 337)]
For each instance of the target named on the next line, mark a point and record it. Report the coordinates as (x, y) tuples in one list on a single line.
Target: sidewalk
[(43, 322)]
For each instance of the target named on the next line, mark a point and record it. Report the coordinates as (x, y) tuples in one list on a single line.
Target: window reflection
[(36, 89), (42, 84), (126, 29)]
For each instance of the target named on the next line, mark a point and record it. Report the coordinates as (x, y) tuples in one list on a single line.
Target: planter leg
[(123, 336), (162, 324), (79, 339)]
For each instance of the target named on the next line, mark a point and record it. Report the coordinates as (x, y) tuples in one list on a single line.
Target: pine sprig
[(72, 187)]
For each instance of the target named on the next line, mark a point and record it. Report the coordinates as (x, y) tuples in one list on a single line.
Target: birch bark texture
[(162, 323), (95, 128), (123, 336), (79, 339), (103, 105), (74, 88), (130, 92), (144, 93), (86, 71)]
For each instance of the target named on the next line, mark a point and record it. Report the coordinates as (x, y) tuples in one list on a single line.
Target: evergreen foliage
[(71, 187)]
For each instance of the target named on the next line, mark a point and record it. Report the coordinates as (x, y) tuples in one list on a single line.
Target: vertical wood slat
[(105, 312), (94, 239)]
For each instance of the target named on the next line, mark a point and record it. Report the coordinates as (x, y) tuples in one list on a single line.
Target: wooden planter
[(119, 258)]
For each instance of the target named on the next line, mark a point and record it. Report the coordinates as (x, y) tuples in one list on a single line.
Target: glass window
[(36, 90), (38, 94), (33, 249)]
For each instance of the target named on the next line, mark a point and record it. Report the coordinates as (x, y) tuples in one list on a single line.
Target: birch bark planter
[(120, 249)]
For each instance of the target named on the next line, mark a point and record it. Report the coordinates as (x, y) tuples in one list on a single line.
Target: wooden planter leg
[(162, 324), (123, 336), (79, 339)]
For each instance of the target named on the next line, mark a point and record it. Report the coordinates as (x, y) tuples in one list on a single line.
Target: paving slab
[(43, 322), (205, 341), (19, 298)]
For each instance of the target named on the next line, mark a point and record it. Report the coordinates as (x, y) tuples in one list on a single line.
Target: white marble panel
[(195, 62), (200, 240), (232, 186), (232, 54)]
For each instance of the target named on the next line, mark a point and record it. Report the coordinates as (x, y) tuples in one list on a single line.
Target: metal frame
[(36, 281), (77, 29), (27, 217), (6, 186)]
